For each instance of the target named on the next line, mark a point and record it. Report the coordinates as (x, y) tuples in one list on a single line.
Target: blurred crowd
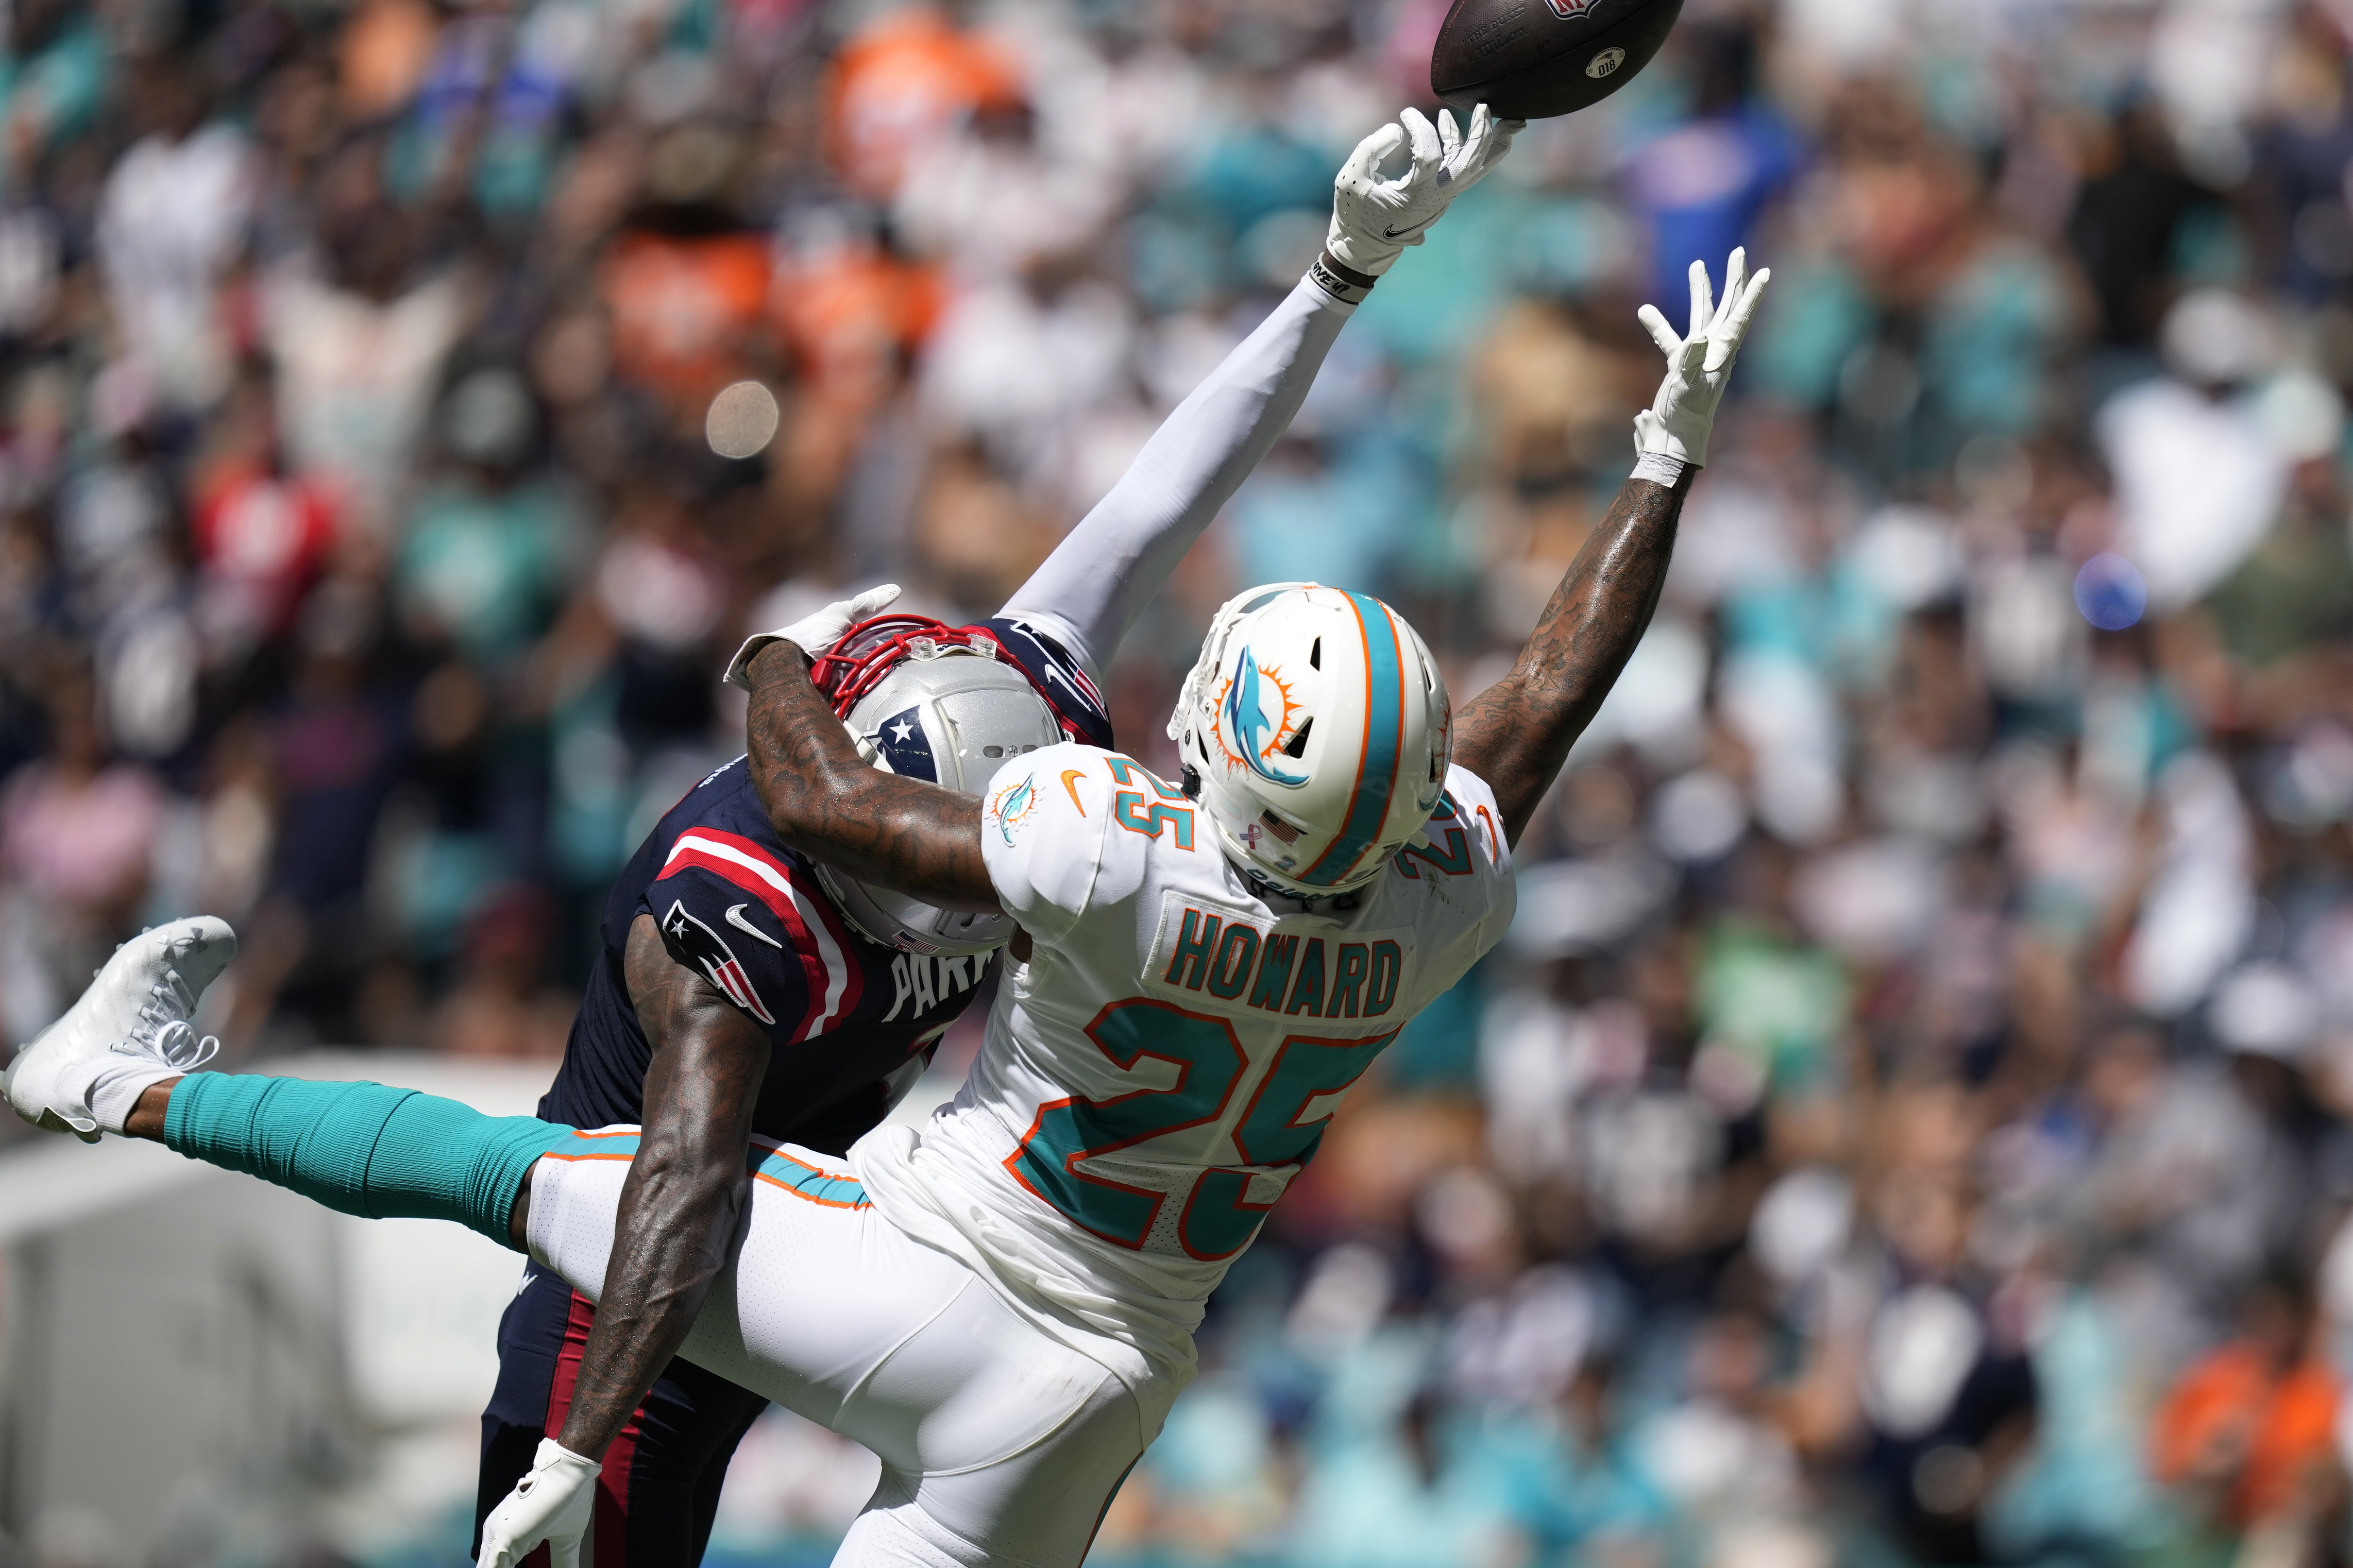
[(1911, 1120)]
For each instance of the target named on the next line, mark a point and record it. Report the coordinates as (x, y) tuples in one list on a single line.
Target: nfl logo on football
[(1570, 10)]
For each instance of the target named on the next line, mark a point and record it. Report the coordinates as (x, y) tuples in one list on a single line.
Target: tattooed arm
[(1515, 735), (828, 803), (685, 1192)]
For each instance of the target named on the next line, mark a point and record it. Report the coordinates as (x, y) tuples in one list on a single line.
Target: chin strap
[(1266, 888)]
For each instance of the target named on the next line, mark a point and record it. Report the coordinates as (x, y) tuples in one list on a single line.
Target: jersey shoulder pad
[(1463, 857), (1057, 673), (1049, 832), (1462, 848), (1472, 805), (750, 922)]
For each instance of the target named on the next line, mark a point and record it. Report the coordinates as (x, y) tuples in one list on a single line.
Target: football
[(1531, 60)]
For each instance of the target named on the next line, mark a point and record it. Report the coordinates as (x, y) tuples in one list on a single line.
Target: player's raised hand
[(812, 634), (1374, 216), (554, 1503), (1677, 423)]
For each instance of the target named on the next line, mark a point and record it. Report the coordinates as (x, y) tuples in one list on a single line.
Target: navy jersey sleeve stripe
[(1064, 683), (852, 1018), (710, 926), (835, 984)]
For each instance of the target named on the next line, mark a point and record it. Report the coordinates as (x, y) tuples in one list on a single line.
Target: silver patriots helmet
[(926, 701)]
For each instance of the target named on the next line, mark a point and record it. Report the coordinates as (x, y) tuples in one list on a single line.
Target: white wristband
[(1659, 468)]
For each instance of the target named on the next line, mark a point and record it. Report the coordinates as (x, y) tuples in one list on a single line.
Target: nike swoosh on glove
[(1374, 217), (1699, 366), (812, 634), (554, 1503)]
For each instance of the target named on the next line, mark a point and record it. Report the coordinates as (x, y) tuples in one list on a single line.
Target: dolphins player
[(1001, 1304), (742, 991)]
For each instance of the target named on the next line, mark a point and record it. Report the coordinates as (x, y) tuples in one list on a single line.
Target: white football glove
[(1677, 423), (554, 1503), (812, 634), (1375, 218)]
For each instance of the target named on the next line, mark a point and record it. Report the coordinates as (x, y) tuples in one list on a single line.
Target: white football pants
[(999, 1444)]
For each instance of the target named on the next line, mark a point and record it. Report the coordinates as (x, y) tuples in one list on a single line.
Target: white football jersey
[(1166, 1062)]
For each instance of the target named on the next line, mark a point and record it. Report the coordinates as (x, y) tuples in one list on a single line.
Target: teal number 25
[(1218, 1220)]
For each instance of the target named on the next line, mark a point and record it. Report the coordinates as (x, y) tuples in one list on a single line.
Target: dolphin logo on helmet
[(1245, 715), (1373, 736)]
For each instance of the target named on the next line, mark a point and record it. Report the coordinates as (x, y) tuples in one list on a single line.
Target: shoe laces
[(163, 1029)]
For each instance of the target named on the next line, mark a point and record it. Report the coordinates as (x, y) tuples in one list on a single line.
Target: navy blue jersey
[(850, 1022), (1054, 672)]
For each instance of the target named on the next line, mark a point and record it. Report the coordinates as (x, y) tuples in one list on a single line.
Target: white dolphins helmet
[(927, 701), (1319, 726)]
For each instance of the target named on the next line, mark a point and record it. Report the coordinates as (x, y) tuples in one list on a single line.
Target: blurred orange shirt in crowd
[(851, 316), (902, 82), (382, 54), (2232, 1416), (684, 309)]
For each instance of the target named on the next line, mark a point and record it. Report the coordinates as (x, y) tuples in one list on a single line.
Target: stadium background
[(1909, 1120)]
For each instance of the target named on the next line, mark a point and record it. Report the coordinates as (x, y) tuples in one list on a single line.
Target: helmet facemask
[(925, 700)]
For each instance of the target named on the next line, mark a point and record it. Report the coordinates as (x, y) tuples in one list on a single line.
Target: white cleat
[(128, 1030)]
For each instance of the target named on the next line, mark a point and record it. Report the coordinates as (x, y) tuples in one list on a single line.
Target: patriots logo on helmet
[(1250, 734), (901, 739), (1570, 10)]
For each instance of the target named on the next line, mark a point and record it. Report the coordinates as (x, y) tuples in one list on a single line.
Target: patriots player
[(1001, 1305), (743, 991)]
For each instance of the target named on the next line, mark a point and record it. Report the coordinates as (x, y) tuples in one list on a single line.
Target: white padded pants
[(999, 1444)]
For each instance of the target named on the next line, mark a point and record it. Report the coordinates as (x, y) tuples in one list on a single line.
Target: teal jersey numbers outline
[(1217, 1219), (1208, 1062)]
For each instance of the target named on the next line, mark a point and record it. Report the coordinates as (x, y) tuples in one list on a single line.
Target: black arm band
[(1345, 284)]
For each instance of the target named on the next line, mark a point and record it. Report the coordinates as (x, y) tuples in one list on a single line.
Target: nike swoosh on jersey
[(735, 918)]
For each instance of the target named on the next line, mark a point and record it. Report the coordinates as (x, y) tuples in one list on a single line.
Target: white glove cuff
[(554, 1455), (1660, 468), (1357, 252), (739, 668), (1654, 437)]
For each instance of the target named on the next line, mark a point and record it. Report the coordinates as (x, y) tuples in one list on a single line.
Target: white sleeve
[(1098, 580), (1041, 837)]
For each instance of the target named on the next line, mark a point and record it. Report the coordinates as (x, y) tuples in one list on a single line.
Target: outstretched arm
[(1517, 734), (830, 804), (1098, 580), (1089, 591), (685, 1191)]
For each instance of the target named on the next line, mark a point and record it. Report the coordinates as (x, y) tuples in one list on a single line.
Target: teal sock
[(362, 1148)]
